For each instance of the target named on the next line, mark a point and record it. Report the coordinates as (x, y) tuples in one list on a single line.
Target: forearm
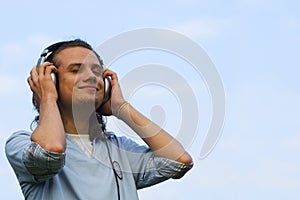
[(160, 142), (49, 133)]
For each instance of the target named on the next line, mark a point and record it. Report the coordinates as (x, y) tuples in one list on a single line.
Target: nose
[(89, 75)]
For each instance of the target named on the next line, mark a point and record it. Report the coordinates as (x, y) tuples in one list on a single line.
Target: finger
[(107, 72), (29, 80), (33, 79), (110, 73), (34, 73), (41, 69), (31, 83), (49, 69)]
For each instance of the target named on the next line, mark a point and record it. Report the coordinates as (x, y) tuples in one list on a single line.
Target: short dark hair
[(59, 46), (55, 49)]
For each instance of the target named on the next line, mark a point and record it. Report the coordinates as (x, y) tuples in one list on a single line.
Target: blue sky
[(255, 48)]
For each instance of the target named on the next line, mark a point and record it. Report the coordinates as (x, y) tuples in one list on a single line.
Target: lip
[(89, 87)]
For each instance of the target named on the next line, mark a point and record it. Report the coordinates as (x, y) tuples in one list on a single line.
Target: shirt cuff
[(37, 157), (170, 168)]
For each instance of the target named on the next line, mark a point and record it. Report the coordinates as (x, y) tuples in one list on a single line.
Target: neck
[(80, 121)]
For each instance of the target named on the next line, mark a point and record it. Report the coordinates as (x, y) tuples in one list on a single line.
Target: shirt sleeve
[(149, 169), (30, 161), (42, 164)]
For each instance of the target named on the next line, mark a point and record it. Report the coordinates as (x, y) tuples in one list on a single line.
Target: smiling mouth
[(89, 87)]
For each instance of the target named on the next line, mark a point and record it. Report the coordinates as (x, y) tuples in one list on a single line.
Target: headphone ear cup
[(107, 89), (45, 56), (54, 78)]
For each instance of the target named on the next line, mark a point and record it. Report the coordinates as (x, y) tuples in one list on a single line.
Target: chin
[(86, 99), (84, 102)]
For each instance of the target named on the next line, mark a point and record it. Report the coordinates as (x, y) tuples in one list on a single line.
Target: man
[(69, 155)]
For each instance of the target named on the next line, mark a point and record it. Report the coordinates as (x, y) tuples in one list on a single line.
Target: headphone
[(45, 55)]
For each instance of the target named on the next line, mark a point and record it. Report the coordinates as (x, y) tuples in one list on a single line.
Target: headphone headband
[(48, 51)]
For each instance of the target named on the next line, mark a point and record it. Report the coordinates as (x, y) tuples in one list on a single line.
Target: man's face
[(79, 77)]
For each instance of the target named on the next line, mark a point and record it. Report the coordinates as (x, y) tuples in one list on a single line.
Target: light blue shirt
[(73, 175)]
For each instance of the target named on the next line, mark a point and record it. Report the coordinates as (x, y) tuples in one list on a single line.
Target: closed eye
[(75, 68), (97, 70), (78, 67)]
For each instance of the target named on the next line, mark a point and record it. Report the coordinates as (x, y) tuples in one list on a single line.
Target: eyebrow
[(70, 66)]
